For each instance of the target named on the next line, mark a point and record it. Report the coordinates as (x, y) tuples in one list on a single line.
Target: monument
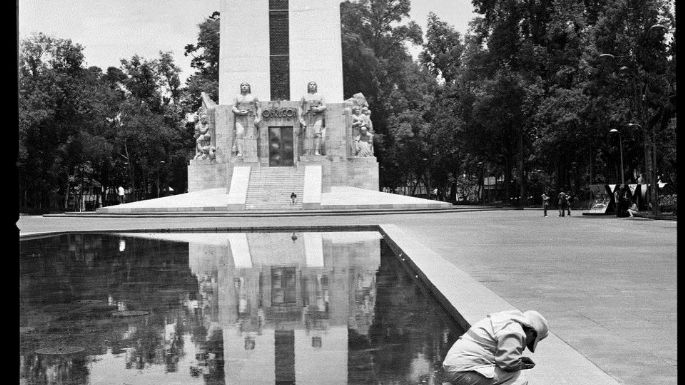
[(282, 136), (283, 60)]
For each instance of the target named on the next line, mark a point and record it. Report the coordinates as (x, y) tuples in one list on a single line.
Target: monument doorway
[(281, 146)]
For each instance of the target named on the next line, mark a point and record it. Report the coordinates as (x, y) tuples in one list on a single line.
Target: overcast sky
[(111, 30)]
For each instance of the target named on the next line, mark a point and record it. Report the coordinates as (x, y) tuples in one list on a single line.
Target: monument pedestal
[(204, 174), (250, 151), (362, 172), (313, 159)]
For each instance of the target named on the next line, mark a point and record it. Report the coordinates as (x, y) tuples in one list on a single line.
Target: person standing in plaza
[(122, 194), (622, 201), (545, 203), (491, 351), (569, 201), (561, 202)]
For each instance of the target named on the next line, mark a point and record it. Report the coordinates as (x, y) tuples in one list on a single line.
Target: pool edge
[(468, 301)]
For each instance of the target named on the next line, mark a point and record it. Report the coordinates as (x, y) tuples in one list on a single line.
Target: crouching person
[(491, 351)]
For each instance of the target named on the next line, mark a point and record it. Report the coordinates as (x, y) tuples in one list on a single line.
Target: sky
[(110, 30)]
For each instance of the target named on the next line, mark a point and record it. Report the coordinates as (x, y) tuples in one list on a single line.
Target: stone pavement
[(607, 285)]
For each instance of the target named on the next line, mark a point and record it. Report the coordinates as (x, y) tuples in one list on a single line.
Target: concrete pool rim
[(463, 298)]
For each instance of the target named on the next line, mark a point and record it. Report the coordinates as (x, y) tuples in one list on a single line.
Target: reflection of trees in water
[(407, 324), (55, 369), (71, 284), (209, 356), (391, 327)]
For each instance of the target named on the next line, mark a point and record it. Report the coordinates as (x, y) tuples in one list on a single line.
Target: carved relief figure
[(360, 126), (366, 117), (357, 119), (312, 107), (245, 107), (363, 143), (203, 138), (203, 130), (357, 99)]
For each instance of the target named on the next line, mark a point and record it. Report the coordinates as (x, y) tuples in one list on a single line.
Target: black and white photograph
[(333, 192)]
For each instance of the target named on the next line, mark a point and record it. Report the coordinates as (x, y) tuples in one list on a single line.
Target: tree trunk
[(80, 192), (507, 177), (427, 183), (590, 166), (130, 169), (522, 180), (655, 195), (66, 194)]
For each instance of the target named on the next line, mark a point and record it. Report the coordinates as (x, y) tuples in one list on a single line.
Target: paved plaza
[(607, 285)]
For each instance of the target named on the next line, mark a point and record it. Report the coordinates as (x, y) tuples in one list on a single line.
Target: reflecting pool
[(225, 308)]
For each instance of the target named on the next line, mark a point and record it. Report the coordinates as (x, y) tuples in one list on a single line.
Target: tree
[(205, 60), (376, 63), (61, 115), (443, 49), (150, 125)]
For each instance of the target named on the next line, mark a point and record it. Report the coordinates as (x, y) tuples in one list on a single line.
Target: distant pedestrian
[(122, 194), (545, 202), (623, 202), (569, 202), (633, 210), (293, 198), (561, 202)]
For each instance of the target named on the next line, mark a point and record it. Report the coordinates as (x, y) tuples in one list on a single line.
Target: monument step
[(270, 188)]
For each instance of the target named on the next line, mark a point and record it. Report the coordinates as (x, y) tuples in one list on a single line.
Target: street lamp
[(652, 171), (159, 170), (658, 27), (620, 146), (638, 101)]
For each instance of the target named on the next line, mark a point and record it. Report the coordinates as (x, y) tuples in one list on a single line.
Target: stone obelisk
[(278, 46)]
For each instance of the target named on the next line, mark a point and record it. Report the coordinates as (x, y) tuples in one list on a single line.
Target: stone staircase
[(270, 188)]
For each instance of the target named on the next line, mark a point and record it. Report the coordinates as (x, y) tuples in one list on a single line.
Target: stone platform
[(340, 198)]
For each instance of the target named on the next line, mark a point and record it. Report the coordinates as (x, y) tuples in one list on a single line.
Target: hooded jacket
[(496, 341)]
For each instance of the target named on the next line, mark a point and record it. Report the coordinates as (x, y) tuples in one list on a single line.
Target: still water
[(225, 308)]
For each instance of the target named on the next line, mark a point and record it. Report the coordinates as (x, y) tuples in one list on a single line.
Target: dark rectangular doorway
[(281, 146)]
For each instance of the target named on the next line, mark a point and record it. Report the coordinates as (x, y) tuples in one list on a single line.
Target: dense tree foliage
[(205, 60), (528, 94), (82, 130)]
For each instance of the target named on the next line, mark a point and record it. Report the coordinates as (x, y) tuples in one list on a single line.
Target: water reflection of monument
[(285, 302), (223, 308)]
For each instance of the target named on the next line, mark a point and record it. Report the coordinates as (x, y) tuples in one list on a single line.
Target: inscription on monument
[(279, 113)]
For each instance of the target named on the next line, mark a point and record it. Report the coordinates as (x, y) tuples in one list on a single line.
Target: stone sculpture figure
[(203, 138), (360, 129), (363, 143), (366, 117), (357, 119), (203, 132), (312, 108), (245, 107), (357, 99)]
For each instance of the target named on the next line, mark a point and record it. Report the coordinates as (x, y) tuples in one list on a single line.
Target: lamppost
[(639, 106), (159, 170), (652, 172), (620, 147)]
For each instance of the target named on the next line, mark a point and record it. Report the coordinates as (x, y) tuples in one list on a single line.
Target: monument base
[(206, 174)]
